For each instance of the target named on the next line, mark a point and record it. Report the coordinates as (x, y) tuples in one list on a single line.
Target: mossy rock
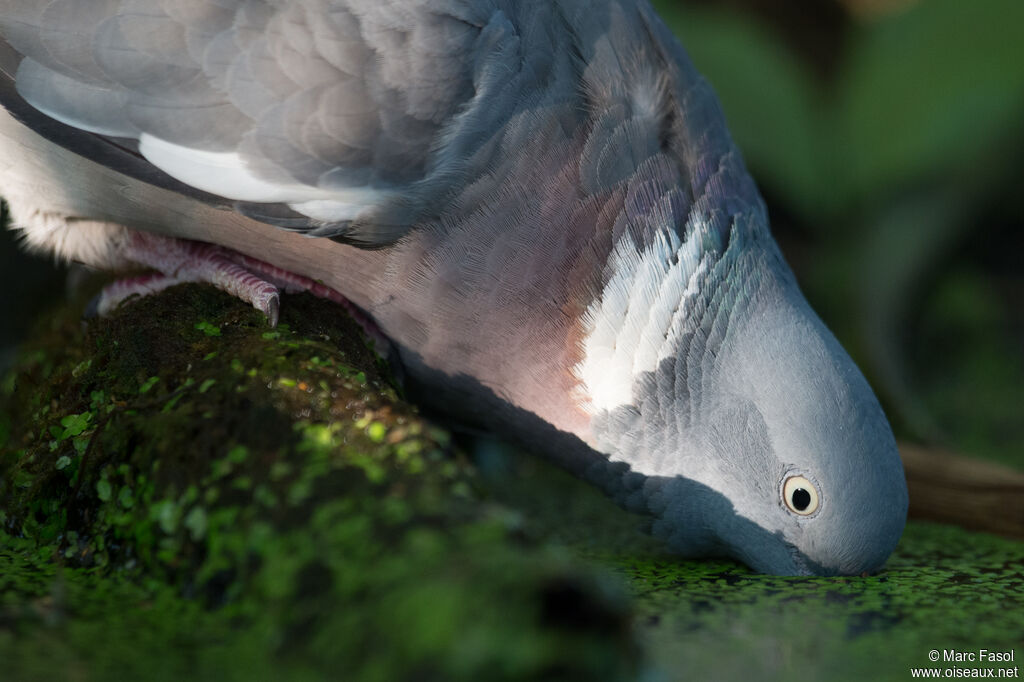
[(188, 493)]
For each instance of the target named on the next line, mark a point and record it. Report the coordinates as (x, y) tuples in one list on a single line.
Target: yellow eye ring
[(800, 495)]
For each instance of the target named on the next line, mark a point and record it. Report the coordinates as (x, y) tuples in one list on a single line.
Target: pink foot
[(254, 281), (179, 261)]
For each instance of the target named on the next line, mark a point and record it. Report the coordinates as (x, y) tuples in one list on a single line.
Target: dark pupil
[(801, 499)]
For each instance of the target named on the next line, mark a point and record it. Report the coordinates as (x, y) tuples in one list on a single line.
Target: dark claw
[(274, 310)]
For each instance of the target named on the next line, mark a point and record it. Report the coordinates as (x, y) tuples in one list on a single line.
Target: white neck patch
[(637, 320)]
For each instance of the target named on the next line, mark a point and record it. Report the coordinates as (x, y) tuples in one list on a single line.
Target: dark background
[(887, 139)]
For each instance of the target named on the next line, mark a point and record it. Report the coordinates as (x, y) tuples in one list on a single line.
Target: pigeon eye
[(800, 495)]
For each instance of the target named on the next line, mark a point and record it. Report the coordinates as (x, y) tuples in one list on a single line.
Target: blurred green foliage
[(918, 96)]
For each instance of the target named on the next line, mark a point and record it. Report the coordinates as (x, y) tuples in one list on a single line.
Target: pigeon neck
[(661, 284)]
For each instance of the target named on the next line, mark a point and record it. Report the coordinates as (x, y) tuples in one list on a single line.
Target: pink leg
[(120, 291), (187, 261)]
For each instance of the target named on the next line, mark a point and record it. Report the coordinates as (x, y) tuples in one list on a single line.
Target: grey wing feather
[(343, 118), (356, 119), (117, 153)]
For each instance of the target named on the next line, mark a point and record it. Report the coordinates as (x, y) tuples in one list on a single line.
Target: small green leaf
[(74, 424), (81, 444), (190, 495), (205, 386), (172, 402), (165, 512), (196, 523), (148, 384), (238, 454), (279, 470), (207, 328), (62, 462), (125, 497), (377, 431), (104, 490)]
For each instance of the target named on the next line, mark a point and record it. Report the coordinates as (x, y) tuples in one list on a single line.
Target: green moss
[(263, 496)]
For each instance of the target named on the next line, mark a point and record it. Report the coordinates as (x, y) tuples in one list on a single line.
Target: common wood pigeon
[(537, 202)]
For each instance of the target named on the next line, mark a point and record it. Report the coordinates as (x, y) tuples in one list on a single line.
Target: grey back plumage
[(357, 119), (361, 103)]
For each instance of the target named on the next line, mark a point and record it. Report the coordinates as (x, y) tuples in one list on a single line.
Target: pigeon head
[(748, 430), (813, 462)]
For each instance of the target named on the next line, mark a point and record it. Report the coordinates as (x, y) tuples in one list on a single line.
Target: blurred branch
[(971, 493)]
